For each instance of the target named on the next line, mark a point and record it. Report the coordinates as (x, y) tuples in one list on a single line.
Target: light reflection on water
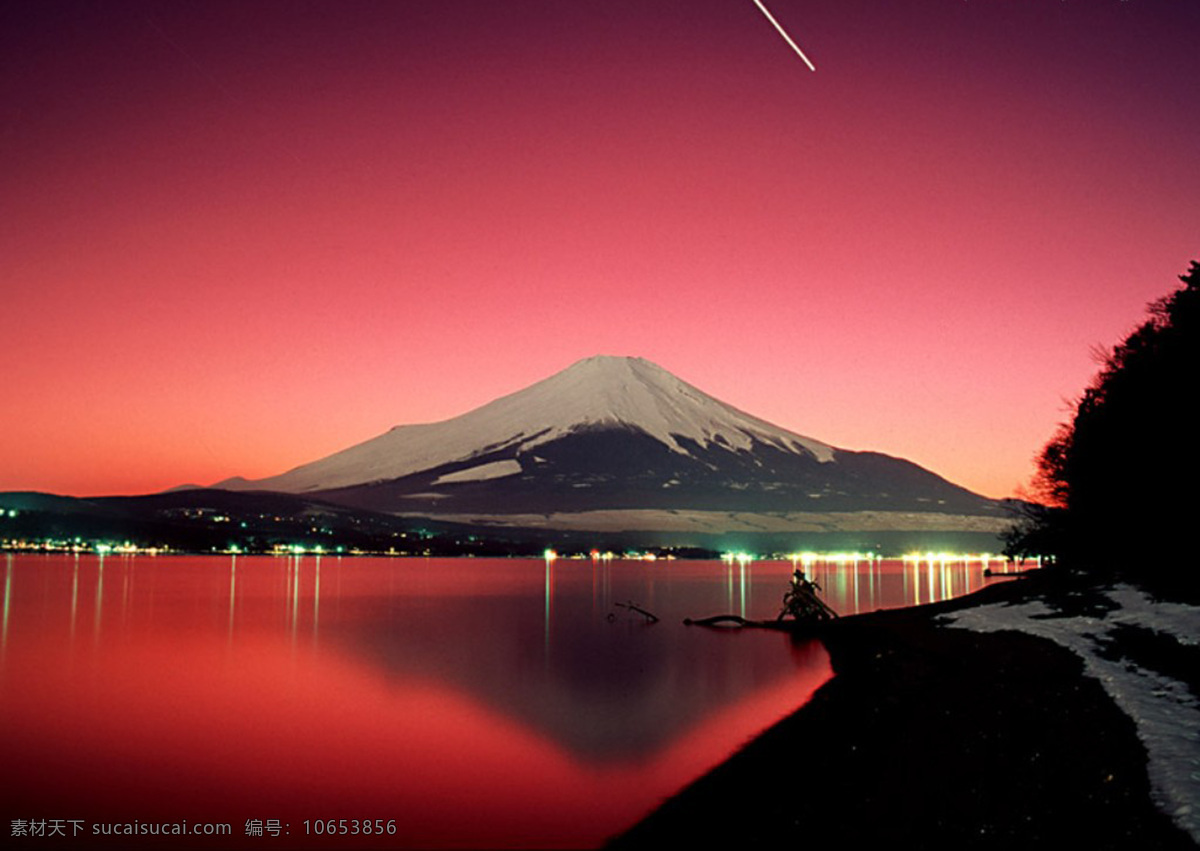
[(234, 687)]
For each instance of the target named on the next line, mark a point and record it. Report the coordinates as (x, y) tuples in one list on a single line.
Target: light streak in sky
[(786, 37)]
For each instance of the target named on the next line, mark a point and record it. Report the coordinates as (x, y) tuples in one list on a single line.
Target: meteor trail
[(786, 37)]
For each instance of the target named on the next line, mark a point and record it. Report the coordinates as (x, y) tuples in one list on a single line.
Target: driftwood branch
[(796, 627), (808, 612), (633, 607)]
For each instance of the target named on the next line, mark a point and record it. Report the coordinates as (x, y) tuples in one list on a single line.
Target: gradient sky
[(239, 236)]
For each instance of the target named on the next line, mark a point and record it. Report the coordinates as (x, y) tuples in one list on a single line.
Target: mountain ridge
[(615, 436), (599, 391)]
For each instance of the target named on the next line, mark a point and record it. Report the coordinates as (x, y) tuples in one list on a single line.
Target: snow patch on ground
[(481, 473), (1165, 712)]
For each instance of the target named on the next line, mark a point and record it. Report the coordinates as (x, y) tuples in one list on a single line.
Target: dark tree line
[(1120, 479)]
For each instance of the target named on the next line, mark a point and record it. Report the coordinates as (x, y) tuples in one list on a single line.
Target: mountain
[(599, 394), (621, 443)]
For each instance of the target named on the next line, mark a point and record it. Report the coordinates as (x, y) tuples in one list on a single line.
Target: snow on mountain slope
[(600, 391)]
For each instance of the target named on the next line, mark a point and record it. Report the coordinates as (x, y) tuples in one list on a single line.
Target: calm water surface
[(475, 702)]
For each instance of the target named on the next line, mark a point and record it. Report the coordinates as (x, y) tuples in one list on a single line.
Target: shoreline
[(940, 737)]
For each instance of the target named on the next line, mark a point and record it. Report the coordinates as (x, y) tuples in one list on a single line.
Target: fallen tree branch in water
[(633, 607), (727, 621)]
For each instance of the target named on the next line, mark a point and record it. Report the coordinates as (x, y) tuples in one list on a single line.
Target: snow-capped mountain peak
[(595, 393)]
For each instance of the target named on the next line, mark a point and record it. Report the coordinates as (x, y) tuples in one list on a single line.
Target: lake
[(343, 702)]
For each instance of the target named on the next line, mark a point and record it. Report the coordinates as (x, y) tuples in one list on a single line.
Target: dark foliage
[(1124, 470), (1036, 531)]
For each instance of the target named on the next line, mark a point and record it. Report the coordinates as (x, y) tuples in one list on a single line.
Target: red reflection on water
[(143, 708), (274, 734)]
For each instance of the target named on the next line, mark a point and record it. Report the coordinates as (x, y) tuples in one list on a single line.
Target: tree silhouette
[(1123, 474)]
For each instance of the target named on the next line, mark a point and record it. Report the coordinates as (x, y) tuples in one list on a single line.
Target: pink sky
[(236, 237)]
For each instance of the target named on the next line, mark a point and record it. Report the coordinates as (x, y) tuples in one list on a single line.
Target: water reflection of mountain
[(608, 691)]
